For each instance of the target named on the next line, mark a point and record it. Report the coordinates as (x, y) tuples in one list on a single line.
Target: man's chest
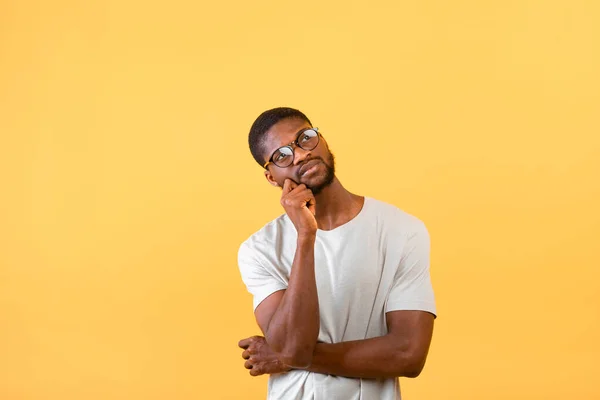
[(341, 262)]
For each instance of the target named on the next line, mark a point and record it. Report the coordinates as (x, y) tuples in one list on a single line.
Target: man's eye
[(306, 138)]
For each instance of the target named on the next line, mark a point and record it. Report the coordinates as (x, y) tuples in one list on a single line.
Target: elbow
[(296, 362), (299, 358), (412, 371), (410, 367), (295, 351)]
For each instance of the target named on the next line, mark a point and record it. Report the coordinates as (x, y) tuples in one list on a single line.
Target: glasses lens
[(283, 157), (309, 139)]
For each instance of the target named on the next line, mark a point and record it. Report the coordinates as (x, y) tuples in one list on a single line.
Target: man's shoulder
[(392, 215), (269, 234)]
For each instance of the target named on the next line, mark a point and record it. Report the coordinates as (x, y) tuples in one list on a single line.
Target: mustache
[(306, 162)]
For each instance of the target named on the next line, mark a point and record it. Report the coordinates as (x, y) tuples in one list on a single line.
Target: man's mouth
[(306, 167)]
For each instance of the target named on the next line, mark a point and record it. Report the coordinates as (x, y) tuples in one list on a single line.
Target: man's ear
[(270, 178)]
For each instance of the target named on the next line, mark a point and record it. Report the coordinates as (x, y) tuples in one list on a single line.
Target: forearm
[(381, 357), (294, 327)]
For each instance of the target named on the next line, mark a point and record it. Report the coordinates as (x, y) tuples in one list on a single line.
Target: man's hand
[(299, 204), (260, 359)]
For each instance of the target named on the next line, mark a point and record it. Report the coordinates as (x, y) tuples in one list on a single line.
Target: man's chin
[(313, 181), (318, 181), (317, 184)]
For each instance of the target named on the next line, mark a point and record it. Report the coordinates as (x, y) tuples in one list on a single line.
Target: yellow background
[(127, 184)]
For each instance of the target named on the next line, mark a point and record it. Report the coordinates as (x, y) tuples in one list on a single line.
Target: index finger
[(288, 185), (244, 343)]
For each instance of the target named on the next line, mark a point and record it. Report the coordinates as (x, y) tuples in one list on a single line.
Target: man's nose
[(300, 155)]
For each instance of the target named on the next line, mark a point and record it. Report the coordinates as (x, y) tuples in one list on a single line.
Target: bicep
[(265, 310), (413, 329), (411, 287)]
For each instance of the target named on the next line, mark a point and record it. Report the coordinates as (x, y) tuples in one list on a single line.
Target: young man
[(341, 282)]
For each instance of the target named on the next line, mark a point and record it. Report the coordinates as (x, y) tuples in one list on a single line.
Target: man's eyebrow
[(300, 131), (295, 137)]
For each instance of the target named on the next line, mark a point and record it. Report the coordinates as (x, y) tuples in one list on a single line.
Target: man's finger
[(288, 186), (246, 355), (311, 205), (248, 365), (244, 343), (300, 192), (256, 372), (305, 195)]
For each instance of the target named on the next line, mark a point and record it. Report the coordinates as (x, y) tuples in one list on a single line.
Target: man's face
[(315, 168)]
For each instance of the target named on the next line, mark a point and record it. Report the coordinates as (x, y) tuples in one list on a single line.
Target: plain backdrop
[(127, 184)]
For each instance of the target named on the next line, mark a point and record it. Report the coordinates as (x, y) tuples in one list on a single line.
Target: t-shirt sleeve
[(260, 282), (411, 289)]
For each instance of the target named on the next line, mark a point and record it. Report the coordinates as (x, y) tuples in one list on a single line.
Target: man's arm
[(289, 318), (402, 352)]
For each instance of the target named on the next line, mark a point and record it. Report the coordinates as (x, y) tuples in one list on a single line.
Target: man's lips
[(308, 166)]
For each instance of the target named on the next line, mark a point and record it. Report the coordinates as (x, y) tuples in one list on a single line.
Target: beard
[(322, 181)]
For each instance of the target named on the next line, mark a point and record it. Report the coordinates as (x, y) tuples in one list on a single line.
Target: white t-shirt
[(375, 263)]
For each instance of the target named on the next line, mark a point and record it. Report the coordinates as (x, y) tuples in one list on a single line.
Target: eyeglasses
[(283, 157)]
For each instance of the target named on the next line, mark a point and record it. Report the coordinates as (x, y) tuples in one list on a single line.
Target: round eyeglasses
[(283, 157)]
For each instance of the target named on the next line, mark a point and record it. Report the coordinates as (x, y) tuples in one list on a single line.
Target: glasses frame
[(292, 146)]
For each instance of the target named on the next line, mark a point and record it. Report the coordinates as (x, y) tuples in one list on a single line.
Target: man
[(341, 283)]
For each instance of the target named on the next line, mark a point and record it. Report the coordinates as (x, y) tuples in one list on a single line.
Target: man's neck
[(336, 206)]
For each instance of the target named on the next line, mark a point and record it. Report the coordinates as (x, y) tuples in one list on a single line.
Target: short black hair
[(263, 123)]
